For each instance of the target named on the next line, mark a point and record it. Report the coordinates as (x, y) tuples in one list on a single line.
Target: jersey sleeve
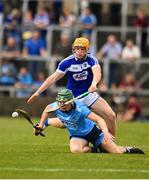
[(62, 67), (93, 61), (85, 110)]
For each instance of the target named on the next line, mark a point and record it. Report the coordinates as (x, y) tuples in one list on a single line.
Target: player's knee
[(75, 149)]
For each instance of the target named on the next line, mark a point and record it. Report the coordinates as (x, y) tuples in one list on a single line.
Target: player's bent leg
[(103, 109), (78, 145), (111, 147)]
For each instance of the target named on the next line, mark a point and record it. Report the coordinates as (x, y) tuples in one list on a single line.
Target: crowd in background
[(31, 40)]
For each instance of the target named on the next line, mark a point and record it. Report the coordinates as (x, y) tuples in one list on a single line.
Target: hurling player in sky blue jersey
[(83, 126), (83, 74)]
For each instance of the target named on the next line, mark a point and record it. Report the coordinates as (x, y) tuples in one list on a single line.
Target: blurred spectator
[(63, 48), (131, 52), (13, 20), (142, 23), (87, 22), (132, 111), (1, 13), (38, 82), (111, 50), (7, 73), (67, 19), (28, 23), (35, 47), (41, 19), (24, 82), (11, 50), (28, 19), (129, 83)]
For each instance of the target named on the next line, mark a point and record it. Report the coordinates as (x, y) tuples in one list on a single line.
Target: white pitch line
[(74, 170)]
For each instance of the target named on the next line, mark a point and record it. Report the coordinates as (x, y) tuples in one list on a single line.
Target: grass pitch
[(23, 155)]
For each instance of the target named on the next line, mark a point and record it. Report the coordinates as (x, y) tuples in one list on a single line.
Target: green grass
[(22, 155)]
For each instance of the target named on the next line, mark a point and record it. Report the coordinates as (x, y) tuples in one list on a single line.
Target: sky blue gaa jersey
[(76, 120), (79, 72)]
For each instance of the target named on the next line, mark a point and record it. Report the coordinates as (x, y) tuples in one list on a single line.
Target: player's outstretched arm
[(102, 125), (48, 82)]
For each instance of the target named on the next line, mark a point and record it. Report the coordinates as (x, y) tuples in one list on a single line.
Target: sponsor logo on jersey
[(78, 67), (80, 76), (70, 124)]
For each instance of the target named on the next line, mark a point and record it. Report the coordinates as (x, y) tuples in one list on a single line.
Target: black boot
[(134, 151), (95, 150)]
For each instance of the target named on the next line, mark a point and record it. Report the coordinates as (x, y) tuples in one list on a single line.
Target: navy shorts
[(95, 136)]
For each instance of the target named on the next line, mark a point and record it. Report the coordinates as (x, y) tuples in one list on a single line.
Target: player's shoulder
[(67, 60), (80, 104), (91, 57), (52, 105)]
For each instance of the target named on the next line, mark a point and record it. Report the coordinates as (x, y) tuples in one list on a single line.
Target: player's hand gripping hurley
[(27, 117)]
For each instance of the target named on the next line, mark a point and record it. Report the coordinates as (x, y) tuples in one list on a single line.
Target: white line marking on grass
[(74, 170)]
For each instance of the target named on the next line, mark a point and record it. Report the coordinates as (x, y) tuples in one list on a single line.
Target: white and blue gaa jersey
[(76, 120), (79, 72)]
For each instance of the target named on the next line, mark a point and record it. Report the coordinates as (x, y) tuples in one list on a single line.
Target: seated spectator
[(129, 83), (28, 23), (111, 50), (131, 52), (11, 50), (34, 47), (7, 73), (13, 20), (38, 82), (23, 84), (67, 19), (87, 22), (141, 22), (41, 19), (132, 110), (63, 48), (28, 19)]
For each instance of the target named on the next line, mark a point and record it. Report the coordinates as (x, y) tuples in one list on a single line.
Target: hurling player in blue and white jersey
[(83, 74), (83, 126)]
